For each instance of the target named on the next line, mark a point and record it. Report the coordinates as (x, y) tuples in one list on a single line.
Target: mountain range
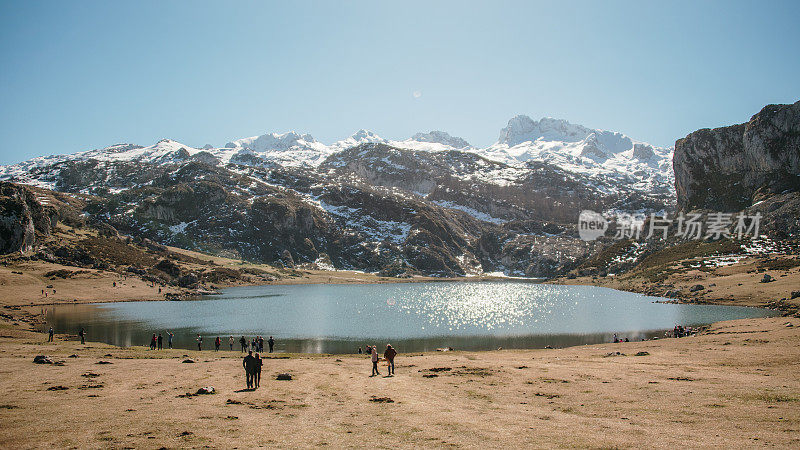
[(432, 204)]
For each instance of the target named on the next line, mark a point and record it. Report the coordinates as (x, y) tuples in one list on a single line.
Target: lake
[(413, 317)]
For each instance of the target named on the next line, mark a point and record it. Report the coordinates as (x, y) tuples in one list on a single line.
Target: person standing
[(169, 338), (217, 343), (257, 363), (261, 344), (82, 334), (230, 342), (389, 355), (153, 342), (271, 343), (50, 335), (247, 363), (160, 342), (243, 343), (199, 342), (374, 358)]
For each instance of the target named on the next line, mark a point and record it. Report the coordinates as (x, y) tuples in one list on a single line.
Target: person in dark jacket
[(257, 371), (249, 365), (389, 355), (271, 343), (82, 334), (217, 343), (243, 342), (160, 342)]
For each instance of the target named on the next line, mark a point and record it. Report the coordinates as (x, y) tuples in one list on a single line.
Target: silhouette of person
[(257, 371), (249, 364), (271, 343)]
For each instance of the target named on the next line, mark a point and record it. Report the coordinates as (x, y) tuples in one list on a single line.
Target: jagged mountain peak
[(273, 141), (441, 137), (363, 135), (522, 128)]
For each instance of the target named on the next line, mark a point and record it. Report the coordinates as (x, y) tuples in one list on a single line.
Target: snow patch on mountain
[(578, 149)]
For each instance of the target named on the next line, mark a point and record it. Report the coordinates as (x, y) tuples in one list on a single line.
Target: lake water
[(412, 317)]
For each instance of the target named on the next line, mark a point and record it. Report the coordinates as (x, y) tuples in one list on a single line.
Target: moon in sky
[(417, 94)]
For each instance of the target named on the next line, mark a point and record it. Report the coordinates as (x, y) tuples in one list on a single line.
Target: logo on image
[(591, 225)]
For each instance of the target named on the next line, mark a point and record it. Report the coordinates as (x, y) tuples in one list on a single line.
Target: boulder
[(284, 376), (41, 359), (767, 278), (697, 287), (189, 280)]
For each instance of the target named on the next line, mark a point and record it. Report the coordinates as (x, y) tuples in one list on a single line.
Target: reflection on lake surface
[(412, 316)]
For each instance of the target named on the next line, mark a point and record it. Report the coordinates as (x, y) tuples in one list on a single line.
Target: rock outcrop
[(21, 217), (730, 168)]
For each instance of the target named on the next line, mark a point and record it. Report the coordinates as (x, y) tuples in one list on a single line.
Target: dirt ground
[(736, 386)]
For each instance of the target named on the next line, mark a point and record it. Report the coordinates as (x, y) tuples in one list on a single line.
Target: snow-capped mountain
[(431, 203), (578, 149), (573, 148)]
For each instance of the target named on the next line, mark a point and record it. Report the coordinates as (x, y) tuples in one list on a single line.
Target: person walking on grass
[(374, 357), (50, 335), (389, 355), (199, 342), (257, 371), (248, 363), (243, 343), (217, 343)]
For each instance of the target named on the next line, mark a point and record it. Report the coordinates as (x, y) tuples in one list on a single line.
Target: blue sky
[(87, 74)]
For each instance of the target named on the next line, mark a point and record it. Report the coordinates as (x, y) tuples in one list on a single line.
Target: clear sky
[(77, 75)]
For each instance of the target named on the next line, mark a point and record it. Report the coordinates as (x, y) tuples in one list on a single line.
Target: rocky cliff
[(22, 217), (731, 168)]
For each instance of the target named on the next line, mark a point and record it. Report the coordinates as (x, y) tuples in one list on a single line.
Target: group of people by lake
[(680, 331), (255, 345), (157, 342), (388, 356)]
